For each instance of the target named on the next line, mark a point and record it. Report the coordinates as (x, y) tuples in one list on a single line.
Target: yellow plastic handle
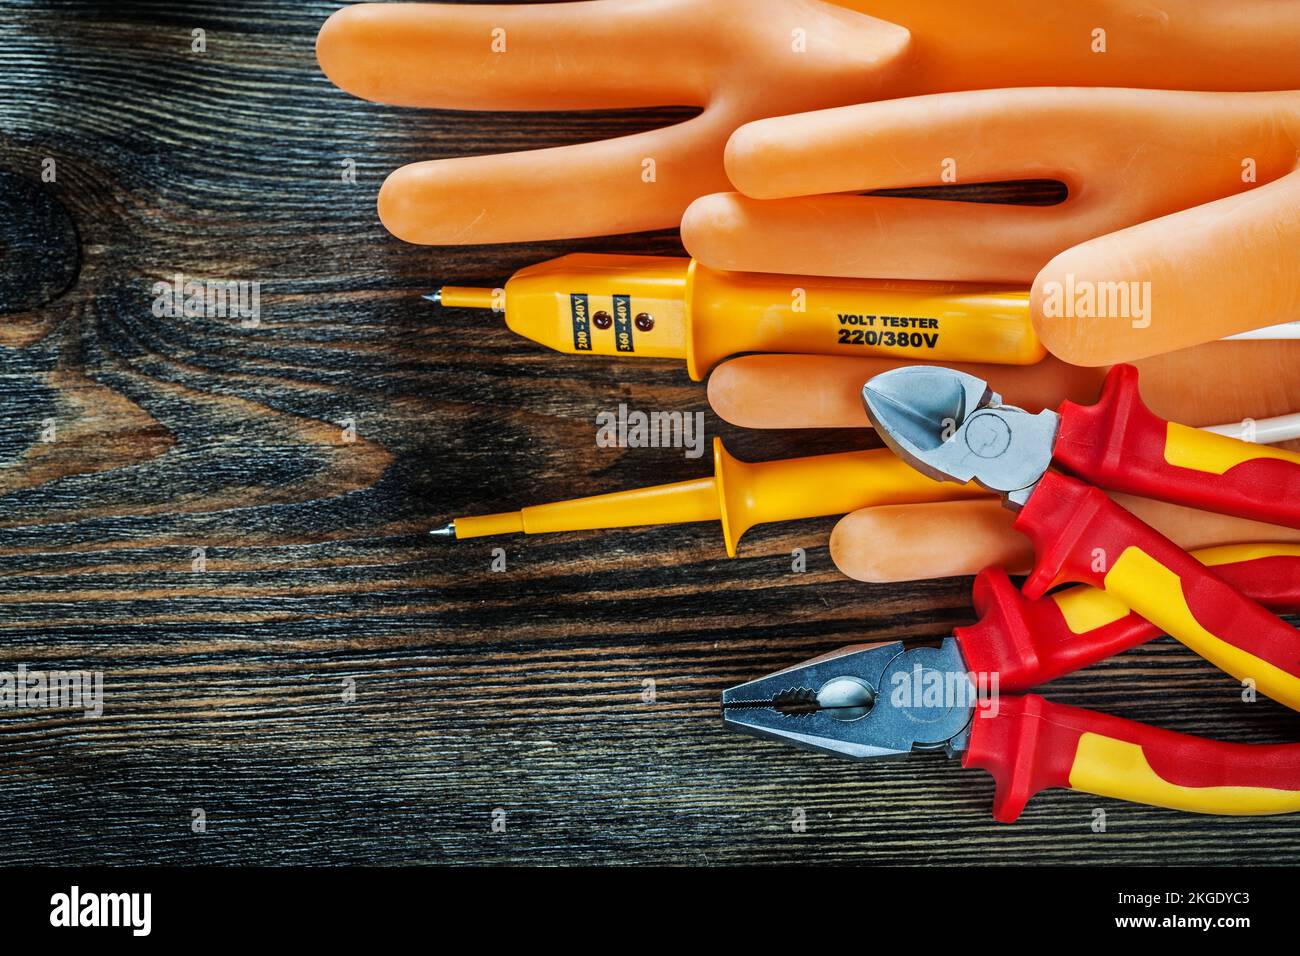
[(657, 307), (740, 494), (1030, 744), (1086, 608), (1108, 767), (1217, 622), (931, 322), (1081, 535)]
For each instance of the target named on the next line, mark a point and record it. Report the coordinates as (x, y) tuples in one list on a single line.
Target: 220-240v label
[(888, 331)]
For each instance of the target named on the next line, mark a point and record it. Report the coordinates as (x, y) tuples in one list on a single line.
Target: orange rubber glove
[(737, 60), (1180, 228)]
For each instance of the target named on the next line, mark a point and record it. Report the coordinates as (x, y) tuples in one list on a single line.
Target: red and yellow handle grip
[(1030, 744), (1121, 445), (1080, 535), (1030, 642)]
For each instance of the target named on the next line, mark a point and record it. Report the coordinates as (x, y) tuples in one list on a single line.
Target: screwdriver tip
[(434, 297), (446, 531)]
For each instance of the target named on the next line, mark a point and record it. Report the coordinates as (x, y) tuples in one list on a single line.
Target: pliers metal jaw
[(872, 700), (951, 426)]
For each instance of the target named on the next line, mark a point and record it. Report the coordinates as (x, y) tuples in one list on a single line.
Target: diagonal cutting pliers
[(951, 426)]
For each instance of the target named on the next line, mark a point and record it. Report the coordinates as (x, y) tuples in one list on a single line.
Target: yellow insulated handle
[(931, 322), (1082, 535), (1030, 744), (740, 494), (1230, 631), (1226, 779)]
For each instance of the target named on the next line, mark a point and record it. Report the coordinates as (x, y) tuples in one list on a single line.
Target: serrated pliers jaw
[(874, 700)]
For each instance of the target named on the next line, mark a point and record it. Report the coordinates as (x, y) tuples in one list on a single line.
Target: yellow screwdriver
[(661, 307), (740, 494)]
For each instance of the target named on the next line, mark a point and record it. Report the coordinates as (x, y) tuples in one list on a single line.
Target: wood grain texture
[(475, 690)]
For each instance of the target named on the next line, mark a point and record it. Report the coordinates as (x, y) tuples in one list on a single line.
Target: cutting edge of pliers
[(951, 426)]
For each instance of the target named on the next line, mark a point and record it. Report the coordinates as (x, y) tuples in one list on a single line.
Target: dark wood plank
[(474, 690)]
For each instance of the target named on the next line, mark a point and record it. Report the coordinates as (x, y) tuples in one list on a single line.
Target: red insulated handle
[(1030, 744), (1122, 445), (1030, 642), (1080, 535)]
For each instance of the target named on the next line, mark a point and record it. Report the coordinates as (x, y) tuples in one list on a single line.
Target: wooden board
[(204, 528)]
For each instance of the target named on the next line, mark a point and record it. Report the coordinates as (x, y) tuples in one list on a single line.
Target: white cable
[(1287, 330), (1268, 431)]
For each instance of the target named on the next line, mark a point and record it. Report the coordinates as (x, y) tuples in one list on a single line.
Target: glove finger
[(1112, 146), (1179, 45), (980, 136), (825, 391), (1200, 274), (629, 184), (881, 237), (892, 543), (773, 56), (946, 539), (598, 54), (1213, 384)]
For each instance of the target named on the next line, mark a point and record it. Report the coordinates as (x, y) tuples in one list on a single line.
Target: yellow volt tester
[(661, 307), (739, 494)]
